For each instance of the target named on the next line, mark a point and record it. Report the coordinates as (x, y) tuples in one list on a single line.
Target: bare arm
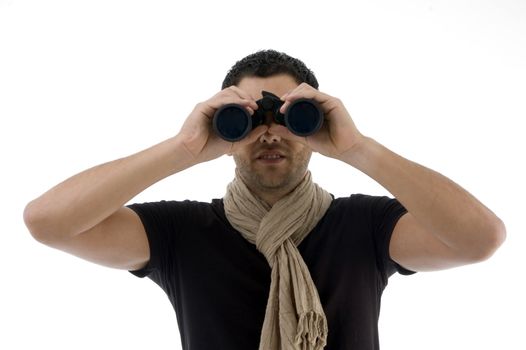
[(445, 227), (84, 215), (86, 199)]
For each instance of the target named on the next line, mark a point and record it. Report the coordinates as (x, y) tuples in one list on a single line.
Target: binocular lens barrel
[(303, 117), (232, 122)]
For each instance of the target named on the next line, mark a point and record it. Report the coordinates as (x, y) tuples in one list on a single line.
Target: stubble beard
[(269, 182)]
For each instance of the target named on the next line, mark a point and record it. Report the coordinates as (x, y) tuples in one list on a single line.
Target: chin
[(273, 184)]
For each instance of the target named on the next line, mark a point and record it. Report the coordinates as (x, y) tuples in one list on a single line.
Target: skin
[(85, 215), (445, 225), (271, 180)]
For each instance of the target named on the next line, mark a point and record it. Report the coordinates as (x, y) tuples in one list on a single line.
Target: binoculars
[(303, 117)]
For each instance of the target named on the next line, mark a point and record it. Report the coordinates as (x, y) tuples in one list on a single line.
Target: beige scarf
[(294, 317)]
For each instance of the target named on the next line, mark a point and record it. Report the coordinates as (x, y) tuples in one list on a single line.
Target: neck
[(270, 197)]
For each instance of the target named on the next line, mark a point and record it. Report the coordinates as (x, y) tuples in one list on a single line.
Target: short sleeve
[(158, 220), (385, 213)]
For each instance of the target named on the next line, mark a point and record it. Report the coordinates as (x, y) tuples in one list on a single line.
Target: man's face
[(271, 164)]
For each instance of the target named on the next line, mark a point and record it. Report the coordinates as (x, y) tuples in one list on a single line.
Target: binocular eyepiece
[(303, 117)]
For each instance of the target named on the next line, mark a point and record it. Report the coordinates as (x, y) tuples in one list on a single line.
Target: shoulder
[(373, 212), (172, 205), (364, 202), (178, 210)]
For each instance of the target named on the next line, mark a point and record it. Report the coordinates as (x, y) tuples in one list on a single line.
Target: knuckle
[(201, 106)]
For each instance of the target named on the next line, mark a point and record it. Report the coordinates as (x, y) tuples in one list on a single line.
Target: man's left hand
[(338, 134)]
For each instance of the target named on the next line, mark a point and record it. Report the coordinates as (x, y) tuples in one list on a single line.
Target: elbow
[(494, 238), (36, 222)]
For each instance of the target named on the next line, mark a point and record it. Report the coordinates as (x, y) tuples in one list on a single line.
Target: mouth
[(270, 157)]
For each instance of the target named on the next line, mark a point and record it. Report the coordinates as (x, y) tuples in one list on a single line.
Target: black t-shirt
[(218, 282)]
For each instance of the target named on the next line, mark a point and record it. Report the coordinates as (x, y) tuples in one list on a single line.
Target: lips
[(270, 155)]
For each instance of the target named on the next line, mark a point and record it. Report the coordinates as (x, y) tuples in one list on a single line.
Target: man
[(278, 263)]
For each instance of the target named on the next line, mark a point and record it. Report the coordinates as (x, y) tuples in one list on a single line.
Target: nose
[(269, 137)]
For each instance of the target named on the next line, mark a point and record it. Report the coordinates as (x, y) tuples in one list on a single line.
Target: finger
[(304, 91), (311, 93), (212, 105), (299, 90), (243, 94)]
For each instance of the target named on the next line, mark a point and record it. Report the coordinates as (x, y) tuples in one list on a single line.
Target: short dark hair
[(266, 63)]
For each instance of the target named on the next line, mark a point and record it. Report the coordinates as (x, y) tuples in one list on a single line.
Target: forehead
[(277, 84)]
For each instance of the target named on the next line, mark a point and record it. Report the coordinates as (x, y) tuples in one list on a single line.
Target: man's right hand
[(85, 214), (198, 136)]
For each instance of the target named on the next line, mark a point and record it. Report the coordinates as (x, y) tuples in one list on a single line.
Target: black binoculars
[(303, 117)]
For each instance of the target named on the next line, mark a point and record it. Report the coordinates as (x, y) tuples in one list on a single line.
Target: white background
[(442, 83)]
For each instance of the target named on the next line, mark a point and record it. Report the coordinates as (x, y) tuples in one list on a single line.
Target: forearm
[(446, 209), (89, 197)]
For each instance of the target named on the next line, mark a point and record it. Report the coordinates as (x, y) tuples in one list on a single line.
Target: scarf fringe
[(312, 331)]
